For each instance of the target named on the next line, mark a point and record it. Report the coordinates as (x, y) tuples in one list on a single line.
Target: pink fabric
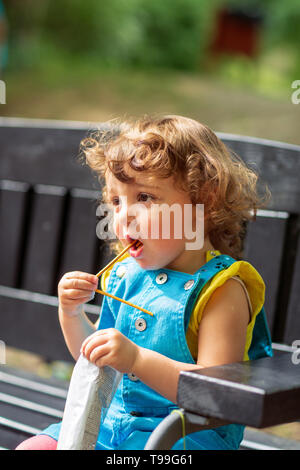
[(39, 442)]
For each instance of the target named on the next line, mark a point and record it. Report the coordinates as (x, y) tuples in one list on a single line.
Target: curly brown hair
[(199, 162)]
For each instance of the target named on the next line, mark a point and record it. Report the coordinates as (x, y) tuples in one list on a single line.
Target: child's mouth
[(136, 250)]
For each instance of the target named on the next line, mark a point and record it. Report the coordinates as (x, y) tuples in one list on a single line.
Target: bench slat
[(44, 155), (30, 405), (260, 440), (265, 251), (13, 201), (292, 331), (80, 243), (13, 433), (25, 416), (40, 257), (278, 165), (21, 311), (18, 326), (39, 397)]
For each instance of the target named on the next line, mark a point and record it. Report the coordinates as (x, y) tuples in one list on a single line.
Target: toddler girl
[(207, 303)]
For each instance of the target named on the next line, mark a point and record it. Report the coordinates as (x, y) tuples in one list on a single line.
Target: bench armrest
[(260, 393)]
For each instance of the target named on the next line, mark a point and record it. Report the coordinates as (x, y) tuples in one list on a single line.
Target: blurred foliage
[(169, 33), (53, 35)]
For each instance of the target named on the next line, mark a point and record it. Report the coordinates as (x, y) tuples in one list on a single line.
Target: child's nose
[(125, 218), (125, 215)]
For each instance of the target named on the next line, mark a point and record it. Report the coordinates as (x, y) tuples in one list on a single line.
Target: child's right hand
[(74, 289)]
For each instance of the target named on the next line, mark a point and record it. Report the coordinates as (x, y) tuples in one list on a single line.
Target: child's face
[(138, 214)]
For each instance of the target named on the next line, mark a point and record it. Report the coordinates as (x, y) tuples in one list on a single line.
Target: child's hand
[(111, 348), (74, 289)]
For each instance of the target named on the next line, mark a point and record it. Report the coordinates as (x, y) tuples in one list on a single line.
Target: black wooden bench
[(48, 227)]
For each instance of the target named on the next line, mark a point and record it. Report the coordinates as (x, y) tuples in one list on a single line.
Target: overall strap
[(261, 344), (204, 275)]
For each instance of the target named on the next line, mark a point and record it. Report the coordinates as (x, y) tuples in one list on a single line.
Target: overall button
[(136, 413), (140, 324), (212, 253), (161, 278), (132, 377), (121, 271), (189, 284)]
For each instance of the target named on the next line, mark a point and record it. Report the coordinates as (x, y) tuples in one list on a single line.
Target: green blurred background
[(227, 63)]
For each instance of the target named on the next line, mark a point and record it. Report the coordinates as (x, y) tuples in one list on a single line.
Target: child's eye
[(142, 197), (115, 201), (145, 197)]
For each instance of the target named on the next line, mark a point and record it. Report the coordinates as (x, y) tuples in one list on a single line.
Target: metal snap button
[(212, 253), (121, 271), (140, 324), (136, 413), (189, 284), (132, 377), (161, 278)]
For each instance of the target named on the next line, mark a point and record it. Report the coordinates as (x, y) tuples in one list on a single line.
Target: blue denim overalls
[(170, 295)]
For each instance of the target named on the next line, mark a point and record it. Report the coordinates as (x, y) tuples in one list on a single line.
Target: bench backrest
[(48, 227)]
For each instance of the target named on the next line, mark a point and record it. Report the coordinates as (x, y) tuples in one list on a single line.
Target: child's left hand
[(111, 348)]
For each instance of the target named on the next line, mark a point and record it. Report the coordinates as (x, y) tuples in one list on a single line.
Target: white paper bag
[(89, 396)]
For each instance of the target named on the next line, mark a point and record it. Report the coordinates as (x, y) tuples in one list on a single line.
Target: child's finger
[(96, 333), (85, 343), (79, 284), (81, 275), (77, 278), (98, 352), (74, 294), (91, 342)]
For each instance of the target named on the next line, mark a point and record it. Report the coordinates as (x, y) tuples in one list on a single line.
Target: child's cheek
[(118, 229), (158, 224), (143, 225)]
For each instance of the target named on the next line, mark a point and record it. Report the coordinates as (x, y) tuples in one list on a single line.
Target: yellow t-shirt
[(243, 272)]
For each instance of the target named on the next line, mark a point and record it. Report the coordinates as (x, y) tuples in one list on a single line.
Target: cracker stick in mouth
[(138, 243)]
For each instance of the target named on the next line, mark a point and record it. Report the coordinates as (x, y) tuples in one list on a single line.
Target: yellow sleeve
[(256, 290), (105, 276)]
